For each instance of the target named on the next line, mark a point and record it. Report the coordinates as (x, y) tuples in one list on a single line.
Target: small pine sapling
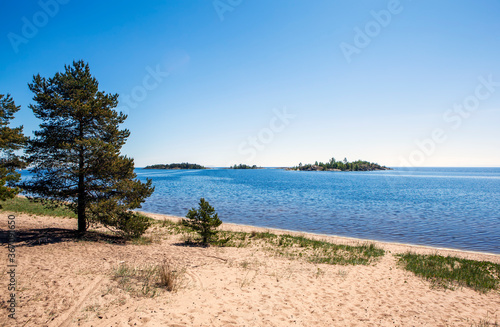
[(203, 220)]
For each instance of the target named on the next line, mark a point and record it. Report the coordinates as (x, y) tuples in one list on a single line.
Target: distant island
[(242, 166), (333, 165), (183, 165)]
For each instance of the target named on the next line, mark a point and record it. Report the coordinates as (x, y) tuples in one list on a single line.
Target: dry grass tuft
[(147, 280), (170, 276)]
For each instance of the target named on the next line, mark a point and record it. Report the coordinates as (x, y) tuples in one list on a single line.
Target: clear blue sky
[(276, 82)]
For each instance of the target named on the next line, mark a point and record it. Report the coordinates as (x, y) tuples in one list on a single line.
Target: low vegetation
[(39, 208), (131, 225), (285, 245), (449, 272), (333, 165), (183, 165), (170, 276), (147, 280), (300, 247)]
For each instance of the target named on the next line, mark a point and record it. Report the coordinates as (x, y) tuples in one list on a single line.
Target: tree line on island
[(243, 166), (186, 165), (183, 165), (333, 165)]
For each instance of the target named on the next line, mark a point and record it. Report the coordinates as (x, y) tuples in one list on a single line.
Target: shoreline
[(99, 283), (392, 246), (332, 237)]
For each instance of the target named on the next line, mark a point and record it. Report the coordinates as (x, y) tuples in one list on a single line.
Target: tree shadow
[(41, 236), (192, 244)]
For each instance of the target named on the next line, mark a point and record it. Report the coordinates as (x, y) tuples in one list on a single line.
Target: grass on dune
[(450, 271), (289, 246), (146, 280), (318, 251), (24, 205)]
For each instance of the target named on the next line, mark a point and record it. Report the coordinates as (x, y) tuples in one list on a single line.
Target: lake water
[(445, 207)]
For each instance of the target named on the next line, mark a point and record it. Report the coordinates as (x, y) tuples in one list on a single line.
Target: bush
[(132, 225), (108, 213), (204, 221), (448, 271)]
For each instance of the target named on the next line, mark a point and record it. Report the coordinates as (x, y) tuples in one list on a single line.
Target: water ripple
[(446, 207)]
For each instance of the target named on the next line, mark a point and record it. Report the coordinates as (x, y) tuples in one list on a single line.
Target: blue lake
[(445, 207)]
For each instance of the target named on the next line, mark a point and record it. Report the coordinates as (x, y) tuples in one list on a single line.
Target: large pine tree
[(11, 139), (75, 156)]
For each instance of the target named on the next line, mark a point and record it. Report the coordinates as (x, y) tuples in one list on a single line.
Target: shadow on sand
[(35, 237), (192, 244)]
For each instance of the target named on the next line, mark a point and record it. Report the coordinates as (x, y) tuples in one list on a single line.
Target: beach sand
[(63, 282)]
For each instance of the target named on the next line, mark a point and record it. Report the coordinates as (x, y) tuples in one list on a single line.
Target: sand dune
[(62, 282)]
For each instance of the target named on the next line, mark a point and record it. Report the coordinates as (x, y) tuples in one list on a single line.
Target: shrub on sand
[(203, 220)]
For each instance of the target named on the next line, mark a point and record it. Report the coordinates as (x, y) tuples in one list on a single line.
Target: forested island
[(243, 166), (183, 165), (333, 165)]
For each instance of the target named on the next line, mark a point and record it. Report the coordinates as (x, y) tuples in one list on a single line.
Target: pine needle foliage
[(11, 139), (203, 220), (75, 155)]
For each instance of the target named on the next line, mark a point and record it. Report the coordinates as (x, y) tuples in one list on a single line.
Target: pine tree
[(11, 139), (204, 220), (75, 156)]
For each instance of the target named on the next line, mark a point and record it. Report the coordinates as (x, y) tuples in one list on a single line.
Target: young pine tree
[(11, 139), (204, 221), (75, 156)]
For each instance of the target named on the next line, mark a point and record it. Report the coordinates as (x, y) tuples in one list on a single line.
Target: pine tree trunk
[(82, 221)]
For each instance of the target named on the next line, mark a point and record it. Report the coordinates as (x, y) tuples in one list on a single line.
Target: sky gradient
[(275, 83)]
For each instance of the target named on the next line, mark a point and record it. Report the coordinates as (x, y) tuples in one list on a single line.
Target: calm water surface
[(446, 207)]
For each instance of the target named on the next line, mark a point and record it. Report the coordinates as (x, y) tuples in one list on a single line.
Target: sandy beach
[(63, 282)]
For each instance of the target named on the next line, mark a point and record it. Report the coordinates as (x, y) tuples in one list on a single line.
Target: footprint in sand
[(196, 280), (68, 317)]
